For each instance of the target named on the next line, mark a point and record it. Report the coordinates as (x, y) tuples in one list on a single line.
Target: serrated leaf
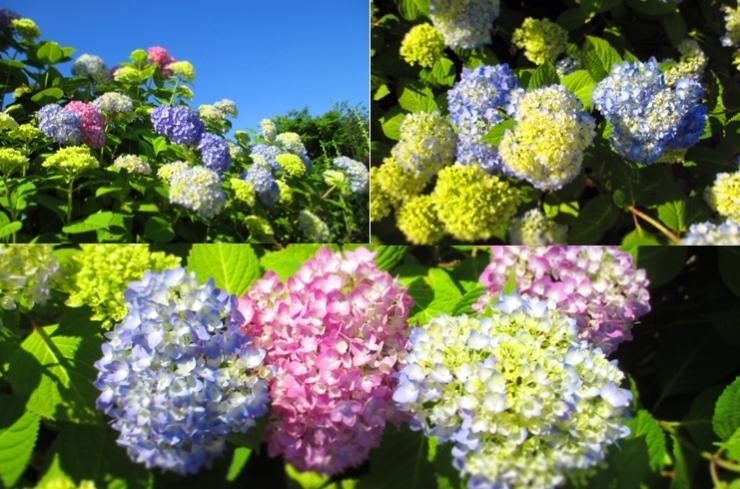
[(415, 97), (645, 424), (639, 237), (726, 418), (596, 217), (50, 52), (391, 122), (599, 57), (239, 460), (572, 19), (48, 96), (699, 420), (234, 267), (496, 134), (673, 214), (158, 230), (543, 76), (390, 256), (18, 431), (444, 72), (464, 305), (685, 464), (286, 262), (581, 84), (732, 445), (400, 462), (729, 268), (434, 294)]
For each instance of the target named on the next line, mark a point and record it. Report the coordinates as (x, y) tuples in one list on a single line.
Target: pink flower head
[(158, 54), (166, 70), (93, 123), (597, 286), (333, 334)]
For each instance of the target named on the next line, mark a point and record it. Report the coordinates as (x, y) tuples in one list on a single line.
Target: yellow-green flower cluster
[(209, 113), (732, 25), (127, 75), (27, 272), (26, 28), (313, 228), (399, 183), (291, 163), (535, 229), (423, 44), (72, 161), (427, 143), (552, 132), (541, 39), (104, 271), (692, 62), (7, 123), (724, 195), (260, 229), (286, 193), (11, 161), (167, 171), (185, 92), (26, 133), (183, 68), (381, 204), (417, 219), (337, 178), (244, 191), (472, 204)]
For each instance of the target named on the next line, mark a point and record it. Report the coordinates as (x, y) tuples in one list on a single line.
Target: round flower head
[(465, 23), (178, 375), (552, 132), (25, 132), (104, 271), (243, 191), (198, 189), (209, 113), (169, 170), (292, 164), (333, 333), (72, 161), (114, 103), (266, 155), (541, 39), (269, 129), (710, 234), (381, 204), (132, 164), (427, 143), (93, 123), (417, 219), (180, 124), (474, 104), (423, 44), (63, 126), (535, 229), (12, 161), (291, 141), (183, 68), (127, 75), (691, 65), (724, 195), (357, 172), (286, 193), (26, 274), (599, 287), (732, 25), (26, 28), (227, 107), (158, 54), (313, 228), (264, 184), (93, 67), (520, 397), (336, 178), (215, 152), (235, 150), (472, 204), (7, 123), (396, 182), (260, 230)]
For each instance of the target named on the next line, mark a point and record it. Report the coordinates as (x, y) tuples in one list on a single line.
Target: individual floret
[(180, 124), (215, 153), (535, 229), (423, 44), (198, 189), (357, 172), (92, 67), (465, 23), (312, 227), (264, 184), (427, 143), (710, 234), (27, 272)]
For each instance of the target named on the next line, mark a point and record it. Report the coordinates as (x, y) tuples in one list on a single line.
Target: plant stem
[(717, 460), (11, 207), (69, 201), (672, 236), (328, 192)]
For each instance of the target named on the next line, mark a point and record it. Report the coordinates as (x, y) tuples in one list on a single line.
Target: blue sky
[(268, 57)]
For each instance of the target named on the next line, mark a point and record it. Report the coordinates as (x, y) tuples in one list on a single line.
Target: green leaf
[(663, 263), (48, 96), (381, 92), (288, 261), (673, 214), (107, 190), (729, 268), (464, 305), (645, 424), (685, 465), (496, 134), (240, 459), (593, 221), (159, 144), (444, 72), (639, 237), (94, 222), (626, 466), (726, 418), (581, 84), (391, 123), (390, 256), (441, 456), (598, 6), (305, 480), (415, 97), (159, 230), (698, 422), (50, 52), (599, 57), (545, 75), (732, 445), (254, 437), (10, 228), (675, 27), (18, 431), (572, 19), (511, 284), (234, 267), (434, 294)]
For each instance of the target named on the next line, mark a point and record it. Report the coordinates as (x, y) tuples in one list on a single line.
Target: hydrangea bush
[(120, 155), (580, 106)]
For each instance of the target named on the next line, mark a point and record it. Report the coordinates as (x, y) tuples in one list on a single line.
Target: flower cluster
[(215, 152), (93, 67), (26, 274), (114, 103), (292, 164), (6, 17), (12, 161), (72, 161), (266, 155), (178, 375), (260, 229), (183, 68), (427, 143), (522, 399), (597, 286), (263, 183), (465, 23), (357, 172), (63, 126), (724, 195), (198, 189), (244, 191), (535, 229), (132, 164), (396, 183), (313, 228), (92, 123), (546, 147), (732, 26), (169, 170), (541, 39), (417, 218), (269, 129), (648, 116), (423, 44), (333, 333), (690, 65), (180, 124), (26, 28), (710, 234)]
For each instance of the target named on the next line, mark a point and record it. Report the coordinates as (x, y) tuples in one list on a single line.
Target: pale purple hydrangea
[(215, 152), (178, 375), (180, 124), (599, 287), (63, 126), (264, 184)]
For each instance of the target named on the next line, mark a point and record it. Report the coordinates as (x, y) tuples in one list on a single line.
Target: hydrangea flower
[(648, 116), (127, 75), (168, 170), (132, 164), (266, 155), (264, 184), (381, 203), (215, 152), (93, 67), (114, 103), (209, 113), (27, 273), (260, 230), (292, 164), (227, 107), (291, 142), (535, 229), (93, 123), (423, 44), (183, 68), (710, 234), (313, 228), (474, 104), (597, 286), (158, 54), (25, 132), (417, 219), (567, 65), (63, 126), (198, 189), (691, 65), (286, 194), (426, 144), (396, 182), (465, 23), (26, 28), (102, 273), (6, 17), (269, 129), (724, 195), (180, 124), (7, 123), (521, 398), (732, 27), (357, 172), (333, 332), (541, 39), (178, 375), (546, 147), (72, 161), (12, 161), (244, 191)]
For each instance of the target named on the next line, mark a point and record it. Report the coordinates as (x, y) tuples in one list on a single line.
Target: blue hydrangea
[(465, 23), (178, 375), (215, 152), (710, 234), (648, 116), (359, 178), (93, 67), (264, 184), (474, 104), (63, 126), (198, 189), (6, 17), (180, 124), (268, 152)]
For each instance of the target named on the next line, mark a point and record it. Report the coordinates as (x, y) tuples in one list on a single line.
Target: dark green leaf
[(572, 19), (726, 418), (158, 230), (599, 57), (496, 134), (685, 465), (645, 424), (545, 75), (18, 430), (662, 263), (94, 222), (598, 6), (390, 256), (652, 7), (699, 420), (593, 221)]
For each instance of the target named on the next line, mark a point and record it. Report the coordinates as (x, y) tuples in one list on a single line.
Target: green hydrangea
[(127, 75), (167, 171), (286, 193), (381, 204), (427, 143), (12, 161), (72, 161), (399, 183), (291, 163), (417, 219), (423, 44), (26, 133), (26, 28), (7, 123), (104, 271), (260, 229), (183, 68), (209, 113), (472, 204), (313, 228), (336, 178), (27, 272), (691, 64), (244, 191), (535, 229), (541, 39), (185, 92), (724, 195)]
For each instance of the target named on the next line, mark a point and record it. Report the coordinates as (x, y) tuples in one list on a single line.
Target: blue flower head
[(180, 124), (215, 152), (63, 126), (358, 174), (269, 152), (198, 189), (264, 184)]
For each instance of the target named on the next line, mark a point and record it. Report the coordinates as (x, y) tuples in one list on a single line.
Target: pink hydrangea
[(158, 54), (333, 334), (597, 286), (93, 123), (166, 70)]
